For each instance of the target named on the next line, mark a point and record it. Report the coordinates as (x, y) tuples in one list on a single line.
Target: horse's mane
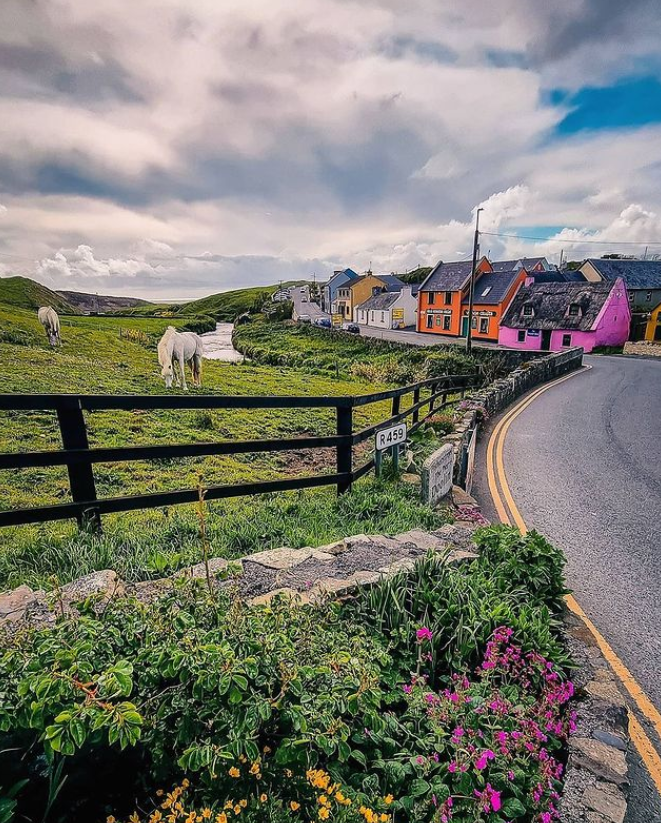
[(165, 345)]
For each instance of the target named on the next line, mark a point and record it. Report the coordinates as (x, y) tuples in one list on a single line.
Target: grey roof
[(380, 302), (350, 274), (637, 274), (448, 276), (498, 283), (527, 263), (551, 301), (392, 282)]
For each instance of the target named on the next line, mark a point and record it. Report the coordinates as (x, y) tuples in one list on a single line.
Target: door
[(546, 340), (464, 326)]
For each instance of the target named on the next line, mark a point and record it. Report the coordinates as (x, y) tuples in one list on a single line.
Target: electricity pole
[(471, 290)]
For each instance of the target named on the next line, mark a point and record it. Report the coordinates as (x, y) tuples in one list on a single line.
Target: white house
[(388, 310)]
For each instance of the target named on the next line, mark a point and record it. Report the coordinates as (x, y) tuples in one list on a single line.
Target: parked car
[(352, 328), (324, 322), (304, 318)]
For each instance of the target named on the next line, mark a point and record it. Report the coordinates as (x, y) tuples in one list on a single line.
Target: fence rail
[(80, 458)]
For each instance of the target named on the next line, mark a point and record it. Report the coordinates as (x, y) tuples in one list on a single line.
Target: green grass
[(108, 355), (27, 294)]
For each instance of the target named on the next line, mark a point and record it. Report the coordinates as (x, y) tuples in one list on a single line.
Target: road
[(301, 299), (416, 338), (582, 462)]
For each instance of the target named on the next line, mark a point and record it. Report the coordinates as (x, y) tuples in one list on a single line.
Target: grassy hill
[(100, 302), (227, 306), (28, 294)]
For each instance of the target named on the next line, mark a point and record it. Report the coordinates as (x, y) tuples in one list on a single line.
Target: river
[(218, 344)]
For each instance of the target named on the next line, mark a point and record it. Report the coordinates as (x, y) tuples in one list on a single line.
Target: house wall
[(614, 321), (494, 313), (509, 337), (590, 273), (384, 319), (653, 327), (439, 309), (330, 289), (362, 290)]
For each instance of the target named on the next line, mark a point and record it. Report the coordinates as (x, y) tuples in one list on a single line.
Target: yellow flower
[(185, 783), (388, 799), (134, 818), (263, 798), (221, 818), (289, 773), (243, 758), (229, 804), (294, 806), (254, 769), (155, 817), (266, 749), (111, 819), (237, 810), (206, 813), (243, 803), (339, 797), (324, 814), (322, 800), (234, 772), (384, 818)]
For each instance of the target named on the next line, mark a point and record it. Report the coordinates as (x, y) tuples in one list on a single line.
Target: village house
[(440, 297), (356, 292), (531, 264), (555, 316), (329, 291), (653, 326), (642, 279), (388, 309), (493, 293)]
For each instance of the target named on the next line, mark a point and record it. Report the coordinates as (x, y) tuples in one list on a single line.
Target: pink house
[(556, 316)]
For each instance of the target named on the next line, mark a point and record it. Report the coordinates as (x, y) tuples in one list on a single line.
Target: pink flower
[(484, 758), (423, 634), (408, 689), (457, 733), (420, 760), (452, 767)]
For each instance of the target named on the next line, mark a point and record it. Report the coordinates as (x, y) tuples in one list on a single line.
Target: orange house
[(494, 291), (441, 295)]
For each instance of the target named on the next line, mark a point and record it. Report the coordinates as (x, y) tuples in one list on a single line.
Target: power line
[(568, 240)]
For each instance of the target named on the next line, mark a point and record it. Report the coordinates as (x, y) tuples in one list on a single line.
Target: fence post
[(432, 388), (81, 477), (345, 449), (395, 406), (416, 400)]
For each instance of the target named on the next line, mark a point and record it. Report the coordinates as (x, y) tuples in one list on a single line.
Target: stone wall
[(498, 395), (644, 347)]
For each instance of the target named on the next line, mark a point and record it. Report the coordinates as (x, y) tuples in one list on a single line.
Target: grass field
[(116, 355)]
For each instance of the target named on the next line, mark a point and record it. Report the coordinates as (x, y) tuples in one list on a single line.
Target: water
[(218, 344)]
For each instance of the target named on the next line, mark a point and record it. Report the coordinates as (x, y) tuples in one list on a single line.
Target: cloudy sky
[(172, 148)]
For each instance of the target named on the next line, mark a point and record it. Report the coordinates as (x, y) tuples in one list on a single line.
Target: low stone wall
[(644, 347), (498, 395)]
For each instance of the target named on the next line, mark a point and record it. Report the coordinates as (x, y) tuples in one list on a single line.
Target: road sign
[(337, 320), (398, 314), (387, 438)]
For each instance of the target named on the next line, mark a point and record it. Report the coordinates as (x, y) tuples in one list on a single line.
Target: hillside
[(99, 302), (415, 276), (28, 294), (227, 306)]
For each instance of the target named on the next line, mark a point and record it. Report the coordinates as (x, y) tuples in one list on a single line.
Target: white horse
[(180, 347), (51, 322)]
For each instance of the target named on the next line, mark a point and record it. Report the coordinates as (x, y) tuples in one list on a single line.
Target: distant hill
[(28, 294), (100, 303), (415, 276), (228, 305)]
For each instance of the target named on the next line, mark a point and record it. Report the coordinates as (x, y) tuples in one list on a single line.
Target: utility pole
[(471, 290)]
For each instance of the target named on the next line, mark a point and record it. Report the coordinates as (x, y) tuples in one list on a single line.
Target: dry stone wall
[(644, 347)]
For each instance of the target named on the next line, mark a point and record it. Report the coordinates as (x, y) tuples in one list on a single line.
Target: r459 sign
[(390, 437)]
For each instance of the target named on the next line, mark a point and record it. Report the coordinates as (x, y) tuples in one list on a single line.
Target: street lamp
[(471, 289)]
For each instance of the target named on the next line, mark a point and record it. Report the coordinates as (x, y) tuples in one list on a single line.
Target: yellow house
[(653, 327), (352, 294)]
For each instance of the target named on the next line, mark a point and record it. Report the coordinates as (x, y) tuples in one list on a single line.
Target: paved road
[(302, 305), (416, 338), (584, 466)]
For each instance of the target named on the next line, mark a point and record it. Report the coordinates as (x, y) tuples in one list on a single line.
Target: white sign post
[(390, 438)]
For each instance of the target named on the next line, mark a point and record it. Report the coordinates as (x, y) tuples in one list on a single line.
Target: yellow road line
[(497, 480)]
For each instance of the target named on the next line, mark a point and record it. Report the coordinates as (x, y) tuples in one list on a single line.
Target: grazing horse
[(180, 347), (51, 322)]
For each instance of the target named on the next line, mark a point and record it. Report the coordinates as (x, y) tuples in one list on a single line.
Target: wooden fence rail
[(79, 457)]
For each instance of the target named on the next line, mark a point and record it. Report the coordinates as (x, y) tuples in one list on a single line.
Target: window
[(566, 340), (631, 297), (446, 322), (474, 323), (486, 291), (431, 298), (574, 310), (372, 316), (439, 320), (521, 336), (484, 325), (383, 317), (448, 298), (648, 297), (430, 321), (528, 310)]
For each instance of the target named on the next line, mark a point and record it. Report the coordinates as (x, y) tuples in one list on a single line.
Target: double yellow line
[(509, 513)]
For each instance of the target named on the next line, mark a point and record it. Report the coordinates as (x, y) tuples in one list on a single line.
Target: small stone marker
[(437, 472)]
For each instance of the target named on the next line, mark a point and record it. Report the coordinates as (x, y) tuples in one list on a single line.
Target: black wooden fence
[(79, 458)]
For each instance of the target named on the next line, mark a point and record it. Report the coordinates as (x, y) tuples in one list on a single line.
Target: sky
[(177, 148)]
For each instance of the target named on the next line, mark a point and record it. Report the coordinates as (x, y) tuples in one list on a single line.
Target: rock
[(17, 602), (610, 739), (460, 556), (462, 498), (149, 590), (411, 479), (333, 585), (280, 559), (602, 760), (405, 564), (607, 801), (104, 585), (265, 599), (339, 547), (216, 565), (423, 540), (605, 690)]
